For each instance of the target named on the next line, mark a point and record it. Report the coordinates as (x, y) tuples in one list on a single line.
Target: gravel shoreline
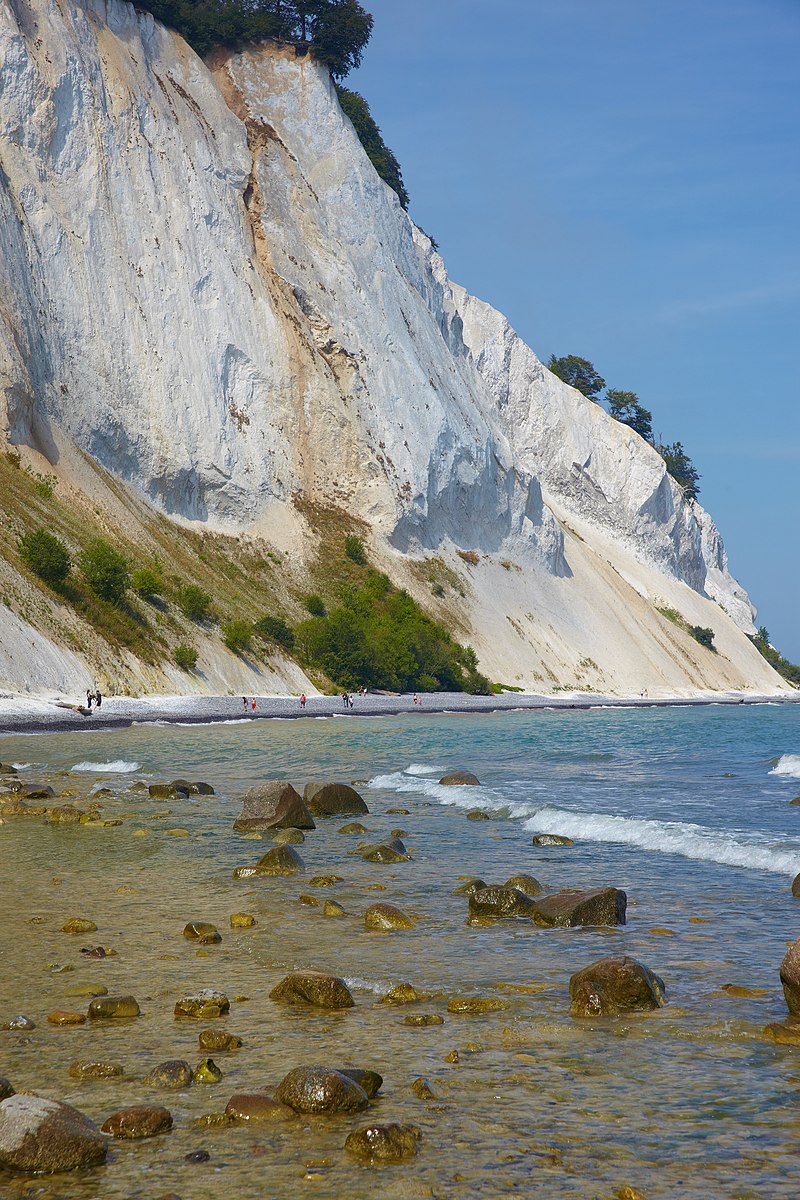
[(24, 716)]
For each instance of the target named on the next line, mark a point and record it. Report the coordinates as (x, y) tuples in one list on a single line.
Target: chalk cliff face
[(205, 286)]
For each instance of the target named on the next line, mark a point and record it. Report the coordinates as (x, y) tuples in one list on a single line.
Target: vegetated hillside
[(257, 353)]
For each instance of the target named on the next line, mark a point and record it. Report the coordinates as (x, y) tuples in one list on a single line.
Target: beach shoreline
[(36, 715)]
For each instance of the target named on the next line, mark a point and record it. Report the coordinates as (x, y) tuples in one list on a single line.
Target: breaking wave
[(117, 767), (787, 764), (669, 837), (687, 839)]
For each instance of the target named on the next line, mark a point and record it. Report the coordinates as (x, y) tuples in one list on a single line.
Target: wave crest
[(789, 765), (117, 767)]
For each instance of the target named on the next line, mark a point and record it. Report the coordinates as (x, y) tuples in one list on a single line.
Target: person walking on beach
[(303, 700), (344, 699), (254, 704), (89, 698), (244, 703), (98, 699)]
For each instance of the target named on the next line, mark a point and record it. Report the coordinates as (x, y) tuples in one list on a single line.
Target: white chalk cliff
[(206, 288)]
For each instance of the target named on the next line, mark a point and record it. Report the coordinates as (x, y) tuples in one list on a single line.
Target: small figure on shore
[(344, 699), (254, 704), (416, 698), (364, 690), (98, 699), (89, 698), (303, 700), (244, 703)]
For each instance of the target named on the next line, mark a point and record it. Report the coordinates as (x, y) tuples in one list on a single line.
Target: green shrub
[(380, 637), (105, 570), (315, 605), (277, 630), (236, 635), (46, 555), (354, 549), (790, 671), (194, 602), (146, 582), (702, 635), (185, 656)]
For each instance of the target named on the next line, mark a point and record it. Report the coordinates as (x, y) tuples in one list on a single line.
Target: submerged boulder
[(615, 985), (596, 906), (333, 800), (273, 805), (321, 1090), (174, 1073), (254, 1108), (39, 1136), (551, 839), (313, 987)]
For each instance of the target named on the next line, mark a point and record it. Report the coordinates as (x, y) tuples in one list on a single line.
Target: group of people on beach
[(249, 703), (93, 698)]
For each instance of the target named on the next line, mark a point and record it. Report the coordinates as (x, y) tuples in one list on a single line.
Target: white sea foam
[(378, 987), (421, 769), (21, 766), (117, 767), (787, 764), (670, 837)]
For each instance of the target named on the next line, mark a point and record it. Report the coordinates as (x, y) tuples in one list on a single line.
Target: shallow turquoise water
[(686, 809)]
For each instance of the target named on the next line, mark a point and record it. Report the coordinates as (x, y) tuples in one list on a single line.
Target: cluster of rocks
[(44, 1136)]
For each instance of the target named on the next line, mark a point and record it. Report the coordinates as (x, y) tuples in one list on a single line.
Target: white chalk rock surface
[(207, 288)]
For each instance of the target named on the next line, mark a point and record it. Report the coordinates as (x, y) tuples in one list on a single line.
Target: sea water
[(687, 809)]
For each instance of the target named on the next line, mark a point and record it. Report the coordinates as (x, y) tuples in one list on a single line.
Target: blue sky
[(622, 179)]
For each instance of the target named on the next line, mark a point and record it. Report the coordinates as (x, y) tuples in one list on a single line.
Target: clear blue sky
[(622, 179)]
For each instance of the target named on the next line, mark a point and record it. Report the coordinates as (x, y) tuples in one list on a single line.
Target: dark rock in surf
[(460, 779), (333, 800), (315, 988), (500, 902), (615, 985), (320, 1090), (551, 839), (597, 906), (273, 805), (39, 1136)]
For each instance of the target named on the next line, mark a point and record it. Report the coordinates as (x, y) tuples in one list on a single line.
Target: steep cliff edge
[(206, 289)]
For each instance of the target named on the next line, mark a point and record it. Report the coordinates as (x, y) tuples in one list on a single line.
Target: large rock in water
[(500, 902), (333, 800), (598, 906), (615, 985), (790, 978), (45, 1136), (319, 1090), (313, 987), (273, 805), (460, 779)]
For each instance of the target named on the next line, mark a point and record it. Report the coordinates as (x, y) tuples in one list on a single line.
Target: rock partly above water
[(790, 978), (386, 917), (500, 902), (280, 860), (321, 1090), (597, 906), (460, 779), (256, 1109), (333, 800), (138, 1121), (273, 805), (383, 1143), (615, 985), (315, 988), (46, 1136)]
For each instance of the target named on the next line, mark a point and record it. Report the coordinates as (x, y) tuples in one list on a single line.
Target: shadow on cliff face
[(489, 509)]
